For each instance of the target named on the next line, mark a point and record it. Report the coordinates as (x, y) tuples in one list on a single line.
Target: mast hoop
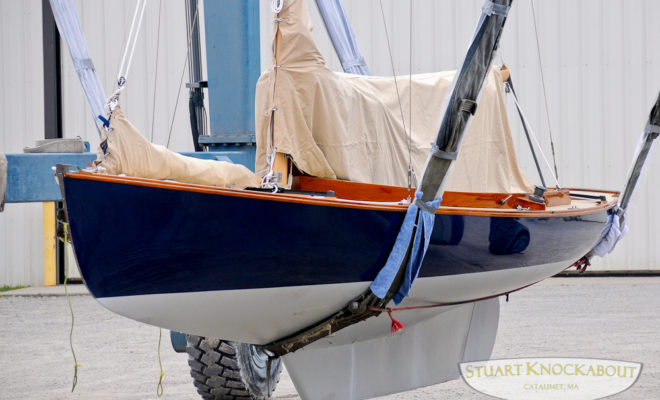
[(468, 106)]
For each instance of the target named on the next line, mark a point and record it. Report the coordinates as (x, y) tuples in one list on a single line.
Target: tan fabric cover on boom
[(336, 125), (129, 153)]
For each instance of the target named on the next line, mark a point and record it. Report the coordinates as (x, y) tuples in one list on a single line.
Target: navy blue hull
[(134, 240)]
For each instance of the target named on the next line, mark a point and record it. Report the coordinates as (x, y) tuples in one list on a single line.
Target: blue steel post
[(233, 65)]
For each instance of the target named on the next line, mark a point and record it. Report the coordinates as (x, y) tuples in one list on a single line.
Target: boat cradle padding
[(417, 227)]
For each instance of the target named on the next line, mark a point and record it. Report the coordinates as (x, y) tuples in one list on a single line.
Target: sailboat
[(323, 240), (309, 257)]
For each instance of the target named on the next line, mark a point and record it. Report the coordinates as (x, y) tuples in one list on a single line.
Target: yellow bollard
[(50, 245)]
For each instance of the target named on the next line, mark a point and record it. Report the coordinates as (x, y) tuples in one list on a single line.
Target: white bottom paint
[(261, 316)]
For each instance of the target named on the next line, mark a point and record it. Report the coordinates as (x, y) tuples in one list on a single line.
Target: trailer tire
[(226, 370)]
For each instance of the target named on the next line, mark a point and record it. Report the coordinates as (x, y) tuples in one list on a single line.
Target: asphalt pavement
[(588, 317)]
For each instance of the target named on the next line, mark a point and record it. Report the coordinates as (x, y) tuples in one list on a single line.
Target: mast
[(342, 37), (462, 103)]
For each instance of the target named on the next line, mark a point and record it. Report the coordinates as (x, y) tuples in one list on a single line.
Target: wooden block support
[(559, 197), (282, 165), (50, 244), (506, 74)]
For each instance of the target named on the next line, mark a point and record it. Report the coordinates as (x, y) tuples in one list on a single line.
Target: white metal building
[(599, 64)]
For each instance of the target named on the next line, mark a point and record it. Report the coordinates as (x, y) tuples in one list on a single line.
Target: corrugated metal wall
[(106, 25), (599, 60), (150, 97), (21, 123)]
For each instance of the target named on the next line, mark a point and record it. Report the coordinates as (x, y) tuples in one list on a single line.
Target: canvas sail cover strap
[(344, 126), (652, 130), (491, 8), (342, 37), (69, 27)]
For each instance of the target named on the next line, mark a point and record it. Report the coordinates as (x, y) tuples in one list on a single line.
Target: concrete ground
[(612, 318)]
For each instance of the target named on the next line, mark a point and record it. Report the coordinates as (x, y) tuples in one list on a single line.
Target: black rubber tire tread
[(216, 370)]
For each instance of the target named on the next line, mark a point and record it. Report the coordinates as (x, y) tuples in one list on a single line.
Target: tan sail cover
[(337, 125), (129, 153)]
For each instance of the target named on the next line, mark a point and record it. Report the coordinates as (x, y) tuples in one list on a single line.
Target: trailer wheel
[(226, 370)]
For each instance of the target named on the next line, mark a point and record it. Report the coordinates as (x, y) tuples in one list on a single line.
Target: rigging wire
[(411, 171), (176, 104), (533, 136), (545, 95), (396, 85), (153, 107)]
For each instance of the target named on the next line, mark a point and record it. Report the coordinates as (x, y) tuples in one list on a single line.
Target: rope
[(185, 62), (130, 37), (397, 326), (580, 265), (269, 180), (130, 60), (159, 387), (396, 84), (545, 96), (121, 75), (153, 108), (66, 240), (131, 42)]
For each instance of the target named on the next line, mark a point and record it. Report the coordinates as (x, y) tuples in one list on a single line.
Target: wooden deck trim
[(344, 203)]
